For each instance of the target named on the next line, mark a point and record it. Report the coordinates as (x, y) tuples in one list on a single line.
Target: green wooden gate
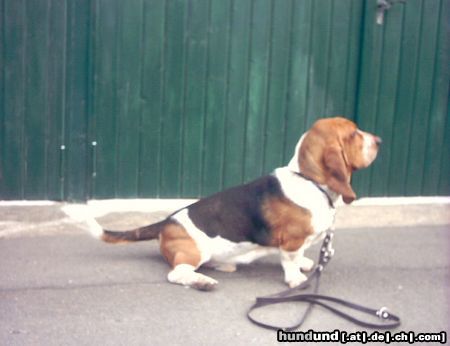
[(178, 98)]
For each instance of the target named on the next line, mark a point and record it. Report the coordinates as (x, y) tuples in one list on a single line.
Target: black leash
[(388, 320)]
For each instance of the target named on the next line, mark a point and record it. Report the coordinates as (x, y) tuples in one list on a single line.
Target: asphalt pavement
[(59, 286)]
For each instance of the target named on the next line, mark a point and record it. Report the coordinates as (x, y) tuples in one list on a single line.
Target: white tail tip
[(81, 213)]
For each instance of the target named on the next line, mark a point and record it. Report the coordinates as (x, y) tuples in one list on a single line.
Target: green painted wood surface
[(13, 43), (237, 95), (174, 98), (76, 100), (182, 98), (152, 97), (403, 96), (217, 89), (55, 98), (195, 95), (105, 169)]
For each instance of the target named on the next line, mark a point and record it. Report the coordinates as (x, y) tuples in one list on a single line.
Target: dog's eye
[(354, 133)]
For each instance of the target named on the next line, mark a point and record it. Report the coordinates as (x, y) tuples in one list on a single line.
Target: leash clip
[(383, 313), (327, 248)]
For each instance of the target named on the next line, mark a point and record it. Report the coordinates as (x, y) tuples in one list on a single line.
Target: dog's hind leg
[(181, 251)]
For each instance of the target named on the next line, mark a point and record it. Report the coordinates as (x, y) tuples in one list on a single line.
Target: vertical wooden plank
[(355, 34), (436, 150), (173, 99), (387, 94), (2, 89), (195, 89), (152, 85), (438, 112), (55, 96), (277, 89), (238, 73), (299, 74), (344, 28), (118, 93), (319, 63), (36, 58), (105, 67), (76, 105), (128, 96), (338, 27), (368, 88), (436, 169), (91, 151), (444, 172), (152, 94), (14, 100), (258, 83), (218, 38), (401, 127), (426, 61)]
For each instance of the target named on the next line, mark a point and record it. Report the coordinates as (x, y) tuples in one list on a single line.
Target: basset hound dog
[(284, 212)]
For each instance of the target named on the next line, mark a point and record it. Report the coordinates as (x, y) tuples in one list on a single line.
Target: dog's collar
[(316, 184)]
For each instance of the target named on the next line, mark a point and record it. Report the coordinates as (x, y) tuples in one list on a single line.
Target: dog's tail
[(82, 213), (148, 232)]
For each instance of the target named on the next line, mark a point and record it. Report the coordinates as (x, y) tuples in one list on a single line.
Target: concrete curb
[(30, 218)]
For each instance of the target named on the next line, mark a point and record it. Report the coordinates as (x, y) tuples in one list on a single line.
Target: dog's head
[(331, 150)]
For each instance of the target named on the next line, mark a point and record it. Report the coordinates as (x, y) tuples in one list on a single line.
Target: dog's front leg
[(292, 262)]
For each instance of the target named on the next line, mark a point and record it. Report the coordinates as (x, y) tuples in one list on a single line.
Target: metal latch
[(383, 6)]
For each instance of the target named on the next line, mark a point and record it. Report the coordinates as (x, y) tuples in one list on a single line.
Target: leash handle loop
[(292, 295), (317, 299)]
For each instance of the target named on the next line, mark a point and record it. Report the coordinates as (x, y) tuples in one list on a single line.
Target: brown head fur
[(332, 149)]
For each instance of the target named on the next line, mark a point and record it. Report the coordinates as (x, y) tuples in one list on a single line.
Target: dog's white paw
[(306, 264), (295, 280)]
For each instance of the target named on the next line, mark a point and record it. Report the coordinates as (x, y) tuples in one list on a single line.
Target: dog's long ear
[(339, 175)]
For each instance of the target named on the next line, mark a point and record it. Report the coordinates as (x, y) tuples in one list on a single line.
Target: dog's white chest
[(306, 195), (322, 219)]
